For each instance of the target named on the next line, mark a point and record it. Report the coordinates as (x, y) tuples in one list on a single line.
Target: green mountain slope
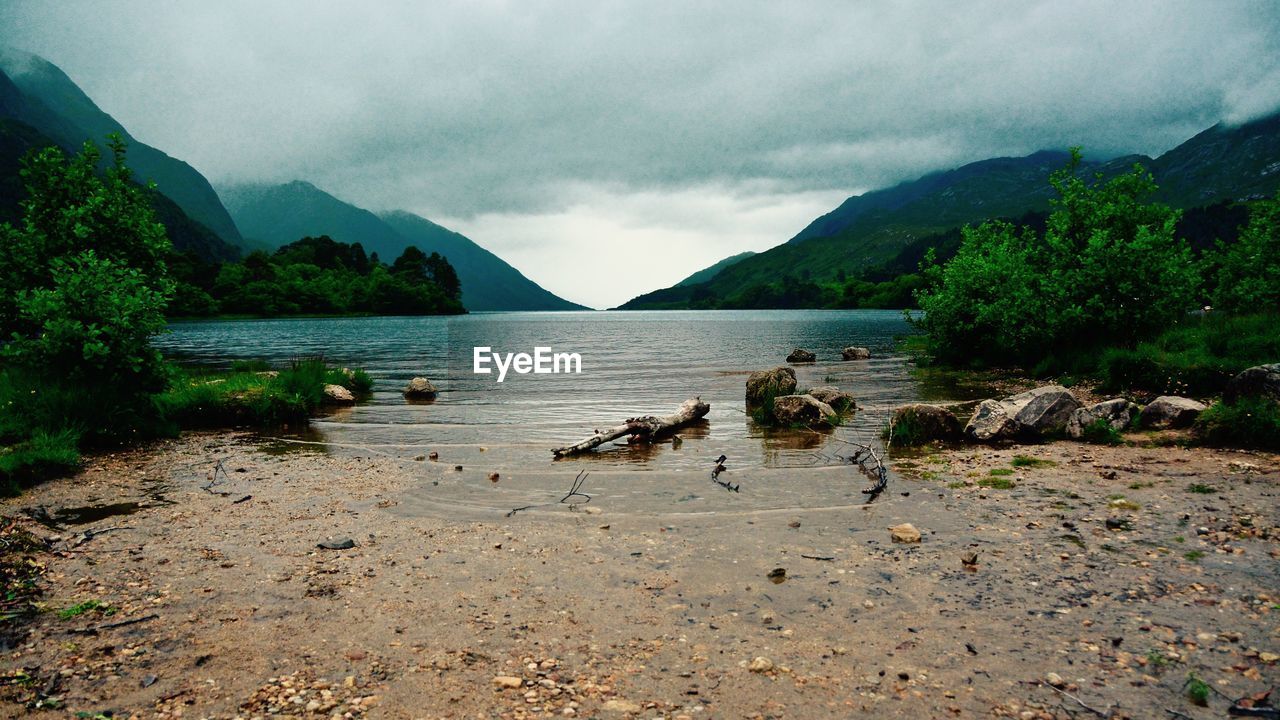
[(707, 273), (275, 215), (49, 101), (869, 233)]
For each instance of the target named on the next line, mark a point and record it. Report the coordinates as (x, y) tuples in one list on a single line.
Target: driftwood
[(638, 428)]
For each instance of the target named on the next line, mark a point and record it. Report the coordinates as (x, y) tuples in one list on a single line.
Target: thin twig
[(1080, 702)]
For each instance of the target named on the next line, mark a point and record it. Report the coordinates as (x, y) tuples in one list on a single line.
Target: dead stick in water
[(636, 428)]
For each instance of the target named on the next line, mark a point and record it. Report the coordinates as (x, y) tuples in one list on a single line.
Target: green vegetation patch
[(1000, 471), (1252, 423), (87, 606), (1201, 489), (997, 483), (1029, 462)]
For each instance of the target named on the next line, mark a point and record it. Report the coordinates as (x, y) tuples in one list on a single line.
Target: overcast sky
[(607, 149)]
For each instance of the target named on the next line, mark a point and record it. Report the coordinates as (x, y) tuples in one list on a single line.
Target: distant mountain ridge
[(275, 215), (869, 230), (37, 93)]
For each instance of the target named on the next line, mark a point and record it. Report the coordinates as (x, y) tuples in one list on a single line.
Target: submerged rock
[(802, 410), (767, 384), (420, 388), (835, 397), (1034, 413), (800, 355), (338, 395), (918, 422), (1257, 381), (343, 544), (1118, 414), (1170, 411), (855, 353)]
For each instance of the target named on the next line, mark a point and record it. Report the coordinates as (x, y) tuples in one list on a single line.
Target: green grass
[(1000, 471), (1252, 423), (1029, 462), (43, 455), (1197, 690), (1194, 555), (197, 399), (1201, 489), (1197, 357), (1100, 432), (997, 483), (86, 607)]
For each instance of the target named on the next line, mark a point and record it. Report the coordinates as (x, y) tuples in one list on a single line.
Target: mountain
[(881, 229), (36, 92), (275, 215), (707, 273), (488, 282), (18, 138)]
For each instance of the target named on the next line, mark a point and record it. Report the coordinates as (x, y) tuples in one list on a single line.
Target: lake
[(633, 363)]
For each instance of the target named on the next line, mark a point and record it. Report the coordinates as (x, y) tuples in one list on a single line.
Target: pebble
[(904, 533), (1054, 679), (760, 664), (507, 682)]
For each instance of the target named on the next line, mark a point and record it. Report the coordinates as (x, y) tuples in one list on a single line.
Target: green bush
[(1248, 278), (1107, 270), (1248, 423)]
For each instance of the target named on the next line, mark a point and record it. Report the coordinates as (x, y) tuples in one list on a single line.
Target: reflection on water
[(633, 363)]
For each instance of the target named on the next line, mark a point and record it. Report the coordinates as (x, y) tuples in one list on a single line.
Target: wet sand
[(1102, 573)]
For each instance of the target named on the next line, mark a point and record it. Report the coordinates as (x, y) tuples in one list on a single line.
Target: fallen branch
[(1080, 702), (641, 428), (88, 535), (575, 491), (817, 557)]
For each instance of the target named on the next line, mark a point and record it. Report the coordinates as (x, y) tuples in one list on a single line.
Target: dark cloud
[(472, 110)]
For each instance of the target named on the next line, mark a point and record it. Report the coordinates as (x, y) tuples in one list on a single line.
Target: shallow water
[(632, 363)]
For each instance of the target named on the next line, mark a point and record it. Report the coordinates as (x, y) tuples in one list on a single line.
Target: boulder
[(766, 384), (855, 353), (338, 395), (420, 388), (1258, 381), (1170, 411), (835, 397), (800, 355), (1118, 414), (917, 423), (1034, 413), (801, 410)]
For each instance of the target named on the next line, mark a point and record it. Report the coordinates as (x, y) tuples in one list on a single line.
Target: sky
[(611, 148)]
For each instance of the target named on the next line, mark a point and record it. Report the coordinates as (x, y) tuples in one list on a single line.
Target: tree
[(83, 281), (1107, 271), (1249, 273)]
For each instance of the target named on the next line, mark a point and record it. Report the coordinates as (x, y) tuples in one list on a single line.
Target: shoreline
[(602, 612)]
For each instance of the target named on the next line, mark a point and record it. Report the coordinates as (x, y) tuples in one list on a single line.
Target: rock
[(802, 410), (925, 423), (1118, 413), (433, 455), (1034, 413), (420, 388), (338, 395), (800, 355), (1054, 679), (1257, 381), (855, 353), (620, 706), (970, 559), (507, 682), (343, 544), (904, 533), (760, 664), (835, 397), (1170, 411), (270, 374), (493, 477), (766, 384)]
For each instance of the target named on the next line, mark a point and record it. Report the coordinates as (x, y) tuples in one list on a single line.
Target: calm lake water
[(633, 363)]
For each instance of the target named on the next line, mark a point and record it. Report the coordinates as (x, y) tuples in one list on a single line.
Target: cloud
[(480, 110)]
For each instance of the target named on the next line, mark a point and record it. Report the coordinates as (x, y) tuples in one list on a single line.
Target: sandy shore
[(1103, 573)]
